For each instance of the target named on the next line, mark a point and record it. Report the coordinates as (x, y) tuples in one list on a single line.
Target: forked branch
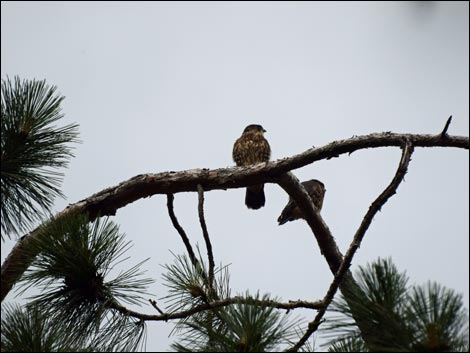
[(389, 191), (108, 201)]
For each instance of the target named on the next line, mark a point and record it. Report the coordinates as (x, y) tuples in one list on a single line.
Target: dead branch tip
[(444, 132)]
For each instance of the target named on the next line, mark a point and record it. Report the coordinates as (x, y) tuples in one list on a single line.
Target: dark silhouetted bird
[(252, 148), (291, 212)]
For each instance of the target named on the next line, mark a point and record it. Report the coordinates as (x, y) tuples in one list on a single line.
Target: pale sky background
[(170, 86)]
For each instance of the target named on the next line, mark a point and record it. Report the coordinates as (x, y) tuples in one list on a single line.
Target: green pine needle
[(241, 327), (30, 330), (32, 149), (436, 317), (188, 284), (249, 327), (72, 269), (429, 318)]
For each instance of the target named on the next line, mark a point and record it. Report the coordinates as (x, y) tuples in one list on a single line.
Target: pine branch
[(389, 191), (72, 273), (32, 151), (205, 233), (187, 243), (180, 230), (420, 318), (296, 304), (446, 127), (108, 201), (154, 304), (323, 235)]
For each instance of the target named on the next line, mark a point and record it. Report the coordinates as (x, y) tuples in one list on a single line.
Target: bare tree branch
[(154, 304), (217, 304), (205, 233), (325, 239), (180, 230), (389, 191), (108, 201), (446, 127)]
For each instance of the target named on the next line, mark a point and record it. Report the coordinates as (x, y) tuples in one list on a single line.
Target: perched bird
[(251, 148), (291, 212)]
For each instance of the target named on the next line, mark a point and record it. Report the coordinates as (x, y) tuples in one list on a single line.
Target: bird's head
[(254, 129)]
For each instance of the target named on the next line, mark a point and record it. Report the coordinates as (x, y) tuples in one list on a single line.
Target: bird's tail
[(286, 216), (290, 213), (254, 197)]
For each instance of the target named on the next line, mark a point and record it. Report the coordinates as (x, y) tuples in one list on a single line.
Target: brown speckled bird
[(291, 212), (251, 148)]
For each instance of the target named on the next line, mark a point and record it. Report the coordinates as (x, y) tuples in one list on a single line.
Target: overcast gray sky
[(170, 86)]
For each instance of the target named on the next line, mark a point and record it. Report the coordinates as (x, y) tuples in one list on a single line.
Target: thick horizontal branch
[(108, 201), (218, 304)]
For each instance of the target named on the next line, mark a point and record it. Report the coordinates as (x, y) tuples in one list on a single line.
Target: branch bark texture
[(108, 201)]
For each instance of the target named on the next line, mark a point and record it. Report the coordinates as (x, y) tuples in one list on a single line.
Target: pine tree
[(402, 318), (32, 150), (78, 308), (81, 304)]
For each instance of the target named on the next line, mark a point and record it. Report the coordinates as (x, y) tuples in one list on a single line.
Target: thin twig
[(296, 304), (205, 233), (446, 127), (181, 231), (389, 191), (186, 241), (154, 304)]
